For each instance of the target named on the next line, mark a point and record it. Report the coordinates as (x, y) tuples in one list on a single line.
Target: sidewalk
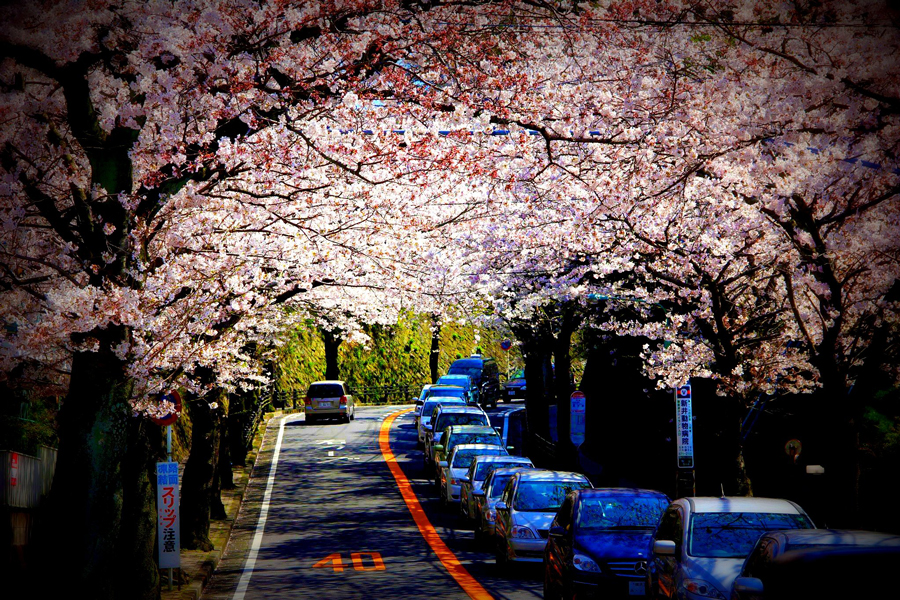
[(196, 565)]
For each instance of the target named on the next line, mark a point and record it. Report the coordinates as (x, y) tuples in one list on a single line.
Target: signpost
[(684, 432), (13, 469), (576, 418), (167, 514)]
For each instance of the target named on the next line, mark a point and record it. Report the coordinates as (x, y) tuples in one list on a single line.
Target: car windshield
[(496, 419), (732, 535), (486, 468), (446, 392), (498, 484), (325, 390), (447, 419), (620, 512), (545, 496), (464, 458), (473, 438), (518, 374), (430, 405), (460, 380), (461, 370)]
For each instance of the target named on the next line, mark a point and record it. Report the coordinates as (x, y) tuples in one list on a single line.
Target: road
[(337, 525)]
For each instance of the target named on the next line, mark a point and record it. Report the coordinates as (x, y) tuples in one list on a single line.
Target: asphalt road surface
[(337, 526)]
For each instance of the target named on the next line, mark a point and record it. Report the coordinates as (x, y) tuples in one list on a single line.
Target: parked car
[(329, 400), (488, 496), (512, 425), (463, 381), (452, 391), (525, 510), (600, 543), (485, 374), (515, 386), (773, 568), (701, 543), (424, 425), (460, 434), (420, 402), (457, 465), (471, 482), (442, 417)]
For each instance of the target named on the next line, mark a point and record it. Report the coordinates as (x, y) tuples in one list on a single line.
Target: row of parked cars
[(623, 542)]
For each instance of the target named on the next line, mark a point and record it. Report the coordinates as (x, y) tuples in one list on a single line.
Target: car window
[(518, 374), (497, 419), (472, 371), (448, 419), (620, 512), (486, 468), (474, 438), (760, 557), (545, 496), (325, 390), (732, 535), (464, 458), (516, 435), (498, 484)]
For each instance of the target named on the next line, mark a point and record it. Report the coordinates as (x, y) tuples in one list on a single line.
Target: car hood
[(720, 572), (612, 545), (535, 520)]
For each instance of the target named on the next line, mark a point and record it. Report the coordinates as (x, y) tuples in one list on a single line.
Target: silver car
[(329, 400), (423, 424), (457, 465), (471, 483), (525, 510), (701, 543), (487, 498)]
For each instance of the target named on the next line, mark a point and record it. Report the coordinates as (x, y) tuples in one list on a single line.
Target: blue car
[(600, 543)]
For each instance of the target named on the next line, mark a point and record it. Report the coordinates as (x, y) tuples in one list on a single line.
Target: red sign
[(174, 398), (14, 469)]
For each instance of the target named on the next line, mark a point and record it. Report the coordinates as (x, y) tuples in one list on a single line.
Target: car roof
[(836, 537), (460, 408), (734, 504), (455, 376), (509, 471), (620, 491), (445, 386), (504, 458), (471, 429), (545, 475), (469, 361), (340, 381), (475, 447)]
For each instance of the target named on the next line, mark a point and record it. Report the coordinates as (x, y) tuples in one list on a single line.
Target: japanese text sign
[(684, 427), (167, 515), (576, 418)]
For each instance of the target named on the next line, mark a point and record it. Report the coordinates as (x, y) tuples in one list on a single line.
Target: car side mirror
[(465, 480), (557, 531), (426, 427), (437, 447), (664, 547), (479, 493), (501, 506), (748, 585), (443, 463)]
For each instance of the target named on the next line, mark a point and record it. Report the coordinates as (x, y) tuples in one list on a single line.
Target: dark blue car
[(600, 542)]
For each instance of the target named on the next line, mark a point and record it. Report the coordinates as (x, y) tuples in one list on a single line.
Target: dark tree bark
[(332, 340), (85, 507), (198, 491), (569, 320), (435, 354), (536, 353)]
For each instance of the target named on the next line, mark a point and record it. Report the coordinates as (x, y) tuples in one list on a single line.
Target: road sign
[(13, 469), (506, 344), (167, 515), (175, 398), (576, 417), (684, 427), (792, 448)]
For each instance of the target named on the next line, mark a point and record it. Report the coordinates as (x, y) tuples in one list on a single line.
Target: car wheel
[(353, 415)]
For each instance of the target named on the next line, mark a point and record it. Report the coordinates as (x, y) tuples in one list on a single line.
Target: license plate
[(637, 588), (324, 404), (512, 392)]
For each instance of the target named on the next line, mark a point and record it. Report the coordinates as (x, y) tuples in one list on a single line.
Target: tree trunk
[(562, 384), (81, 538), (197, 489), (138, 573), (435, 348), (536, 354), (332, 341)]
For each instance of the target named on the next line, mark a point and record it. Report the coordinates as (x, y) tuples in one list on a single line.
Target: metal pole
[(169, 453)]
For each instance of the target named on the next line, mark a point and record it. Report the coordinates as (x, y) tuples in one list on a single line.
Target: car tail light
[(343, 400), (454, 482), (490, 515), (307, 401)]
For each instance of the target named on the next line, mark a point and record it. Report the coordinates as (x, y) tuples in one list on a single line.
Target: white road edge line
[(244, 583)]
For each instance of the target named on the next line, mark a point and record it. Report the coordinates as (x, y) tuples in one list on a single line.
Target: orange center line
[(465, 580)]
